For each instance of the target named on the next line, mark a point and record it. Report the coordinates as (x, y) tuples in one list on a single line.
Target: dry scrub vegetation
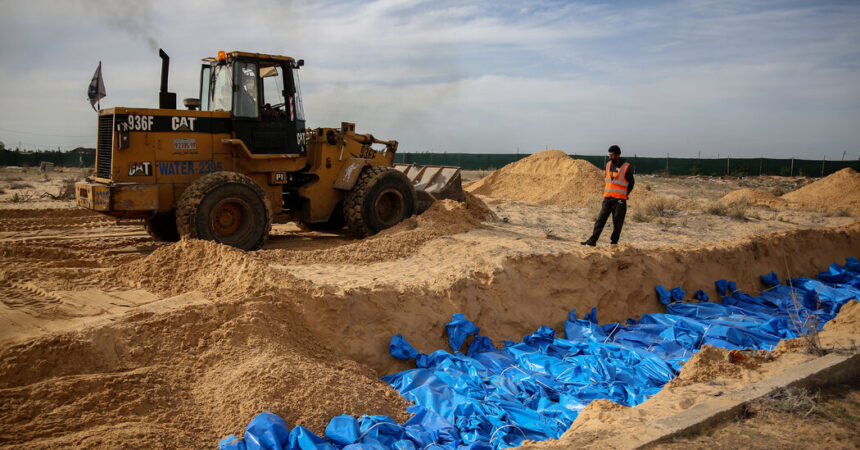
[(36, 188), (736, 210)]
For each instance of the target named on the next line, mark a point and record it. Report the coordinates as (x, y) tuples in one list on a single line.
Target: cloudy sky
[(723, 77)]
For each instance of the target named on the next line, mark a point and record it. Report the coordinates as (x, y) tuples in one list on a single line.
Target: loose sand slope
[(114, 340), (549, 178), (837, 191), (754, 196)]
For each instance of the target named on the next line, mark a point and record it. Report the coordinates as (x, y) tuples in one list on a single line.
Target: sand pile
[(600, 410), (847, 321), (478, 209), (181, 379), (754, 197), (711, 363), (443, 218), (549, 178), (196, 265), (834, 193)]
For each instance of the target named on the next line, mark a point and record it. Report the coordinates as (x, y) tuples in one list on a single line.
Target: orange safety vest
[(616, 187)]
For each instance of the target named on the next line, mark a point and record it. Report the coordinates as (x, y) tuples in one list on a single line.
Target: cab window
[(222, 89), (246, 94)]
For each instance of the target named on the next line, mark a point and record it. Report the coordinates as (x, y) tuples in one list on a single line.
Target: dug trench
[(265, 339)]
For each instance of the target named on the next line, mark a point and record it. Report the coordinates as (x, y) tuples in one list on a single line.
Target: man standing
[(619, 184)]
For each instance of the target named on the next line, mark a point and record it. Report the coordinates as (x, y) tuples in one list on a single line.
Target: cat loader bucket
[(433, 183)]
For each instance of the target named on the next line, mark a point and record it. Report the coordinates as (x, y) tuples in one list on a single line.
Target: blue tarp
[(490, 398)]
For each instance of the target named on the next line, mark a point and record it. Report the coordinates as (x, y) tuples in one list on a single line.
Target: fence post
[(822, 165), (791, 172), (760, 165), (728, 165), (667, 163)]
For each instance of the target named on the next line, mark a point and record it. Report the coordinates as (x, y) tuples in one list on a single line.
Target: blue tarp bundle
[(491, 398)]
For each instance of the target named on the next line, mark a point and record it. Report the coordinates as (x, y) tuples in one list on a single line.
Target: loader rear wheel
[(381, 198), (225, 207), (162, 227)]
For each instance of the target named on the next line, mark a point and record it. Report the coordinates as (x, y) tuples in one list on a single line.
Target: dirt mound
[(443, 218), (478, 209), (549, 178), (195, 265), (834, 193), (601, 410), (847, 321), (182, 378), (713, 362), (755, 197)]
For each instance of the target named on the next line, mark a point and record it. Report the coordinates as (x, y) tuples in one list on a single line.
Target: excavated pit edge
[(832, 369)]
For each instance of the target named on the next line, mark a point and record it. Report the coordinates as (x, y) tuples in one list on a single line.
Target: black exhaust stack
[(166, 100)]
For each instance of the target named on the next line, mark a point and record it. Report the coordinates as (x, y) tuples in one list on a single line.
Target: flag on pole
[(96, 90)]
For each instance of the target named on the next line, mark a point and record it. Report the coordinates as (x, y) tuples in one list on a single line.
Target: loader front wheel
[(162, 227), (225, 207), (381, 198)]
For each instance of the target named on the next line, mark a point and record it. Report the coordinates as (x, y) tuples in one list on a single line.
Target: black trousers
[(618, 208)]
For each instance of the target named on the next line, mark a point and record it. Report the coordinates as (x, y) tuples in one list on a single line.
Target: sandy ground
[(108, 338), (826, 418)]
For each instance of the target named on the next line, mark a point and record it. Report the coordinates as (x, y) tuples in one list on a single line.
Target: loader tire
[(226, 207), (162, 227), (381, 198)]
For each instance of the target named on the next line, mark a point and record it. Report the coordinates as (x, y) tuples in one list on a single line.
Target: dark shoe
[(588, 243), (613, 243)]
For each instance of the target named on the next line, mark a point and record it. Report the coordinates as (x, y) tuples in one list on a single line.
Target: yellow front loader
[(241, 156)]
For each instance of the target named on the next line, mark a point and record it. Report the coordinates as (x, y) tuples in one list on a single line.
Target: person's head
[(615, 153)]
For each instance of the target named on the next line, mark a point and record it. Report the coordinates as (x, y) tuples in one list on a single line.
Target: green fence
[(647, 165), (492, 161), (36, 158)]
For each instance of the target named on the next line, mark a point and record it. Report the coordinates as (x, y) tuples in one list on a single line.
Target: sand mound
[(182, 378), (478, 209), (754, 196), (549, 178), (601, 410), (834, 193), (711, 363), (848, 319), (195, 265), (443, 218), (302, 389)]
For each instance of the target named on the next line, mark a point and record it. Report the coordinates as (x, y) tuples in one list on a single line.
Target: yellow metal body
[(150, 168)]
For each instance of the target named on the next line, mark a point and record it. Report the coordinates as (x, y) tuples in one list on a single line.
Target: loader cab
[(263, 96)]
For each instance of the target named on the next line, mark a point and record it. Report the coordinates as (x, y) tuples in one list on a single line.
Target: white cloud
[(678, 77)]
